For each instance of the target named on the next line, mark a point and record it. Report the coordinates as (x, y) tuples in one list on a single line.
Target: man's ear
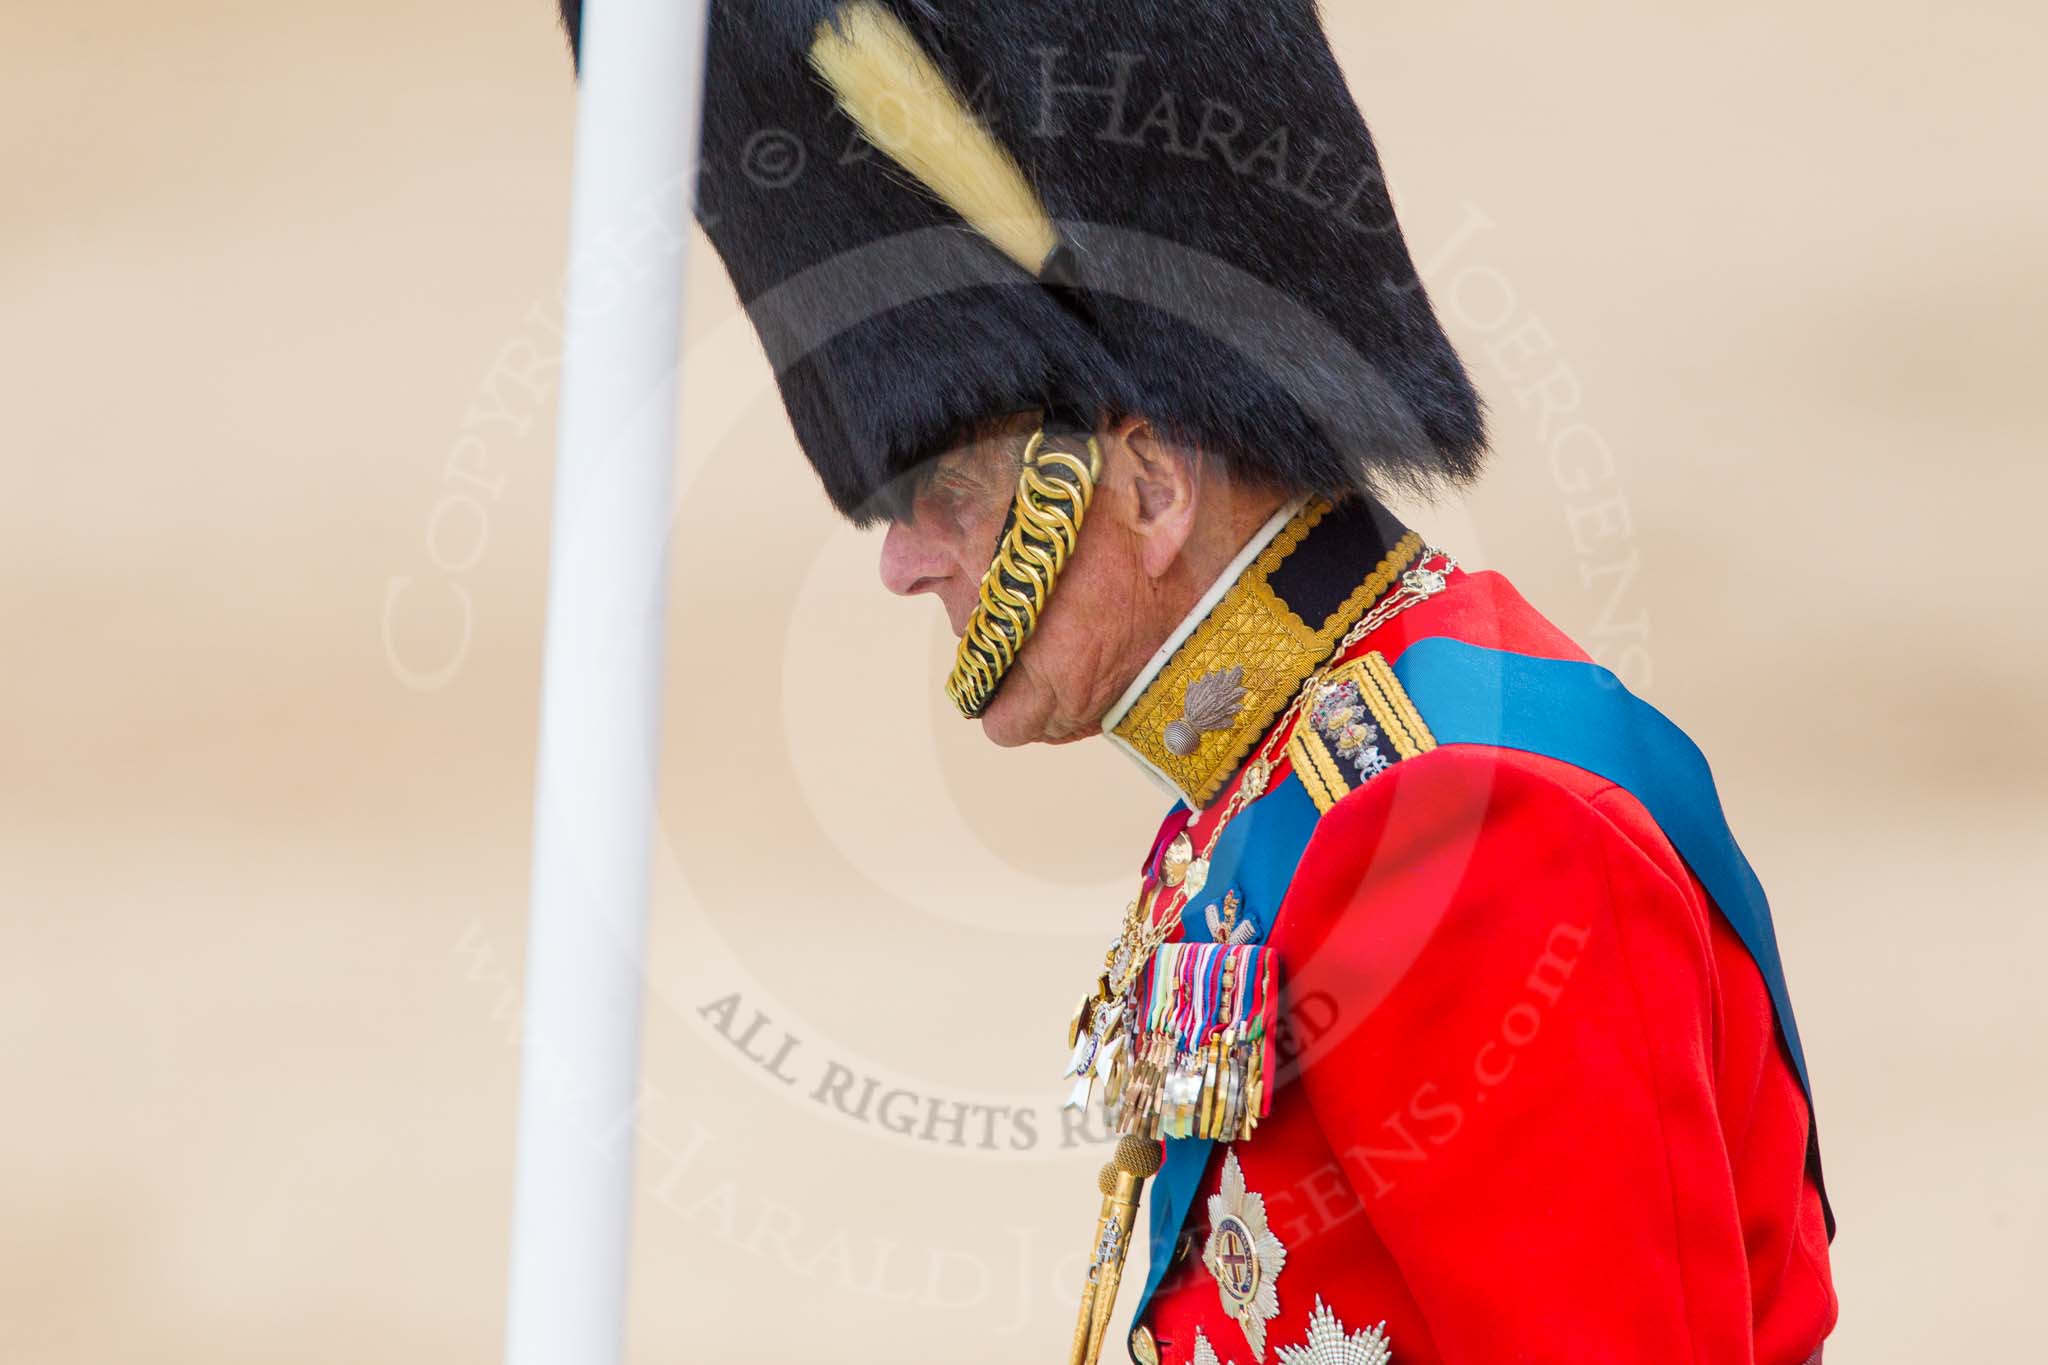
[(1166, 486)]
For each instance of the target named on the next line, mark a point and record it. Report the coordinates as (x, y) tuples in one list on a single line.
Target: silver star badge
[(1243, 1255), (1329, 1344)]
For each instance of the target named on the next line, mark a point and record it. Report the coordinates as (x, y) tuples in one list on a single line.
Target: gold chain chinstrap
[(1053, 492)]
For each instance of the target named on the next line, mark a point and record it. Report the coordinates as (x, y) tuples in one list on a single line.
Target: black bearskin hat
[(1218, 253)]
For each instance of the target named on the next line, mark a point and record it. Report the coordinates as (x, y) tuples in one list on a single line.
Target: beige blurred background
[(268, 703)]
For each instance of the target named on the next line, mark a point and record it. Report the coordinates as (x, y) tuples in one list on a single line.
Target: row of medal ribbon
[(1199, 1033)]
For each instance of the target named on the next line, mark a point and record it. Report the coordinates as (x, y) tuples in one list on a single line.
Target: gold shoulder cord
[(1053, 493)]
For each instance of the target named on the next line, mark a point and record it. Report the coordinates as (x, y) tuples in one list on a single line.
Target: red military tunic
[(1543, 1113)]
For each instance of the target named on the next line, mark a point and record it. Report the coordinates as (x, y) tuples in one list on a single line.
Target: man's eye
[(952, 489), (939, 501)]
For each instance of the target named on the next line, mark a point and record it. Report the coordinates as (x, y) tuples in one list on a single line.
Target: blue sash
[(1581, 714), (1257, 853), (1577, 713)]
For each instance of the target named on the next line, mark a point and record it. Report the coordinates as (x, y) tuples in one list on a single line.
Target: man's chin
[(1009, 723), (1023, 714)]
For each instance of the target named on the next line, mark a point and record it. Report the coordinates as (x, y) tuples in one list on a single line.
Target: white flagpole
[(637, 122)]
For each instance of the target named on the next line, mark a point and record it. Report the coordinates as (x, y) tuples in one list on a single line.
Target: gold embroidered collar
[(1227, 673)]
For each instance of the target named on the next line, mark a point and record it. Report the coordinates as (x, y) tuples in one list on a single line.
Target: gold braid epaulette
[(1053, 493)]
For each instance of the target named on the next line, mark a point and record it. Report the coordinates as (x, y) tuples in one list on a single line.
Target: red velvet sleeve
[(1518, 1066)]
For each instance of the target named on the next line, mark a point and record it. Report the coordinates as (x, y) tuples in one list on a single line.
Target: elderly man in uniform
[(1446, 996)]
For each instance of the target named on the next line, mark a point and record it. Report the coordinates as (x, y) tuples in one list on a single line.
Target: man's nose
[(913, 561)]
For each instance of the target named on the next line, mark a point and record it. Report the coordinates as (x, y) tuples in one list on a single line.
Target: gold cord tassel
[(1122, 1183)]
